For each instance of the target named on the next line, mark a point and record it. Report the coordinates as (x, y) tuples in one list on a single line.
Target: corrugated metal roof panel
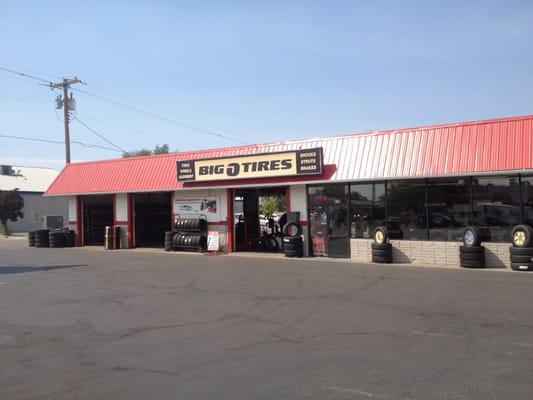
[(461, 148)]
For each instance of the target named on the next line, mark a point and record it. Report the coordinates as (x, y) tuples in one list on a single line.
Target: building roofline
[(339, 136)]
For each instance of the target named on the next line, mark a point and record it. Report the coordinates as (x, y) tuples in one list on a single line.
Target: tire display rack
[(189, 234), (521, 252)]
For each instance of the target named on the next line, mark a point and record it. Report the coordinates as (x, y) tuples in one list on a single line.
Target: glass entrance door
[(338, 231)]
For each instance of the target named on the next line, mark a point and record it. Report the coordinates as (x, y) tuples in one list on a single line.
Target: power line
[(172, 121), (99, 135), (161, 117), (57, 142), (25, 75)]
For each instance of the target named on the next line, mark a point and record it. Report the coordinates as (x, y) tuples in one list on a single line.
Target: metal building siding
[(464, 148)]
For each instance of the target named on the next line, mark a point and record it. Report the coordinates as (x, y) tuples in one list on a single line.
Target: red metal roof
[(461, 148)]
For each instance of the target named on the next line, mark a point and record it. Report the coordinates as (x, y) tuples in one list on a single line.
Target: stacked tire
[(31, 239), (472, 254), (190, 240), (292, 240), (70, 238), (191, 224), (169, 237), (57, 239), (521, 252), (41, 238), (381, 247)]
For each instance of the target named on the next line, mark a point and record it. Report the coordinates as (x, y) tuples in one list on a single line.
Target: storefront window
[(406, 204), (367, 208), (496, 205), (328, 194), (527, 199), (449, 208)]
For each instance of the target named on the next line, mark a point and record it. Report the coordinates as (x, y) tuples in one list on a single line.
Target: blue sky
[(258, 71)]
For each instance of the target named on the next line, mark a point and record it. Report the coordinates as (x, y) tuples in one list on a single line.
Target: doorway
[(97, 214), (153, 217), (329, 221), (259, 215)]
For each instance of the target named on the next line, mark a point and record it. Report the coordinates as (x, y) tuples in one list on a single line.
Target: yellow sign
[(266, 165)]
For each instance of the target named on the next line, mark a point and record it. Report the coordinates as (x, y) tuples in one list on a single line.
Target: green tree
[(272, 204), (11, 205), (158, 149)]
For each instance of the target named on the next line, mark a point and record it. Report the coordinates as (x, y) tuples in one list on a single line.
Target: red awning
[(495, 145)]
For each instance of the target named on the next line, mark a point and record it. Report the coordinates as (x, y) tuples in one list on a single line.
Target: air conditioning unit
[(52, 221)]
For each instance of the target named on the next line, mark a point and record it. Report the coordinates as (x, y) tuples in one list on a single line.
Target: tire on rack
[(380, 235), (521, 236), (287, 229), (381, 246), (472, 237), (382, 259), (522, 266)]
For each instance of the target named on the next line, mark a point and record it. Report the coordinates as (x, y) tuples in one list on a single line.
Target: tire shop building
[(428, 183)]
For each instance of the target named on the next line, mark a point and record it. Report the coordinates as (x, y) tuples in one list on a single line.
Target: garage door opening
[(97, 214), (259, 215), (153, 217)]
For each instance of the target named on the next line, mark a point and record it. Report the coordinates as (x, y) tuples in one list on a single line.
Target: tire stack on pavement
[(292, 240), (169, 236), (57, 238), (70, 238), (41, 238), (521, 252), (190, 234), (381, 247), (472, 254), (31, 238)]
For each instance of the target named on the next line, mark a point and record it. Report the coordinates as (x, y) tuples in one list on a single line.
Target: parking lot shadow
[(21, 269)]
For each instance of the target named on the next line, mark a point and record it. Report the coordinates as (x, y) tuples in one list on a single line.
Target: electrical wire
[(58, 142), (172, 121), (99, 135), (24, 75)]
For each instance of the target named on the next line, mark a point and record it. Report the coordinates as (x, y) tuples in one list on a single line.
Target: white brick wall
[(425, 252)]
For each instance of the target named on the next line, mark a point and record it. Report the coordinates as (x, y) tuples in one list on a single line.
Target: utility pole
[(68, 104)]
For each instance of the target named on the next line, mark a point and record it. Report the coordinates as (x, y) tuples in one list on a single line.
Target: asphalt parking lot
[(88, 324)]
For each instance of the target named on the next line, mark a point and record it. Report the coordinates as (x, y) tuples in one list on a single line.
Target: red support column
[(171, 200), (79, 221), (230, 220), (131, 242)]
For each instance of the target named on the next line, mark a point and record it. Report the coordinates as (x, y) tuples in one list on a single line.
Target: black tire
[(521, 235), (31, 238), (287, 229), (471, 237), (292, 239), (521, 251), (522, 266), (293, 253), (472, 264), (382, 253), (380, 235), (382, 259), (472, 257), (521, 259), (471, 250), (381, 246)]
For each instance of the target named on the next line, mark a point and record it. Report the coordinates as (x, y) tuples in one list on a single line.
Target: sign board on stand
[(213, 241)]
